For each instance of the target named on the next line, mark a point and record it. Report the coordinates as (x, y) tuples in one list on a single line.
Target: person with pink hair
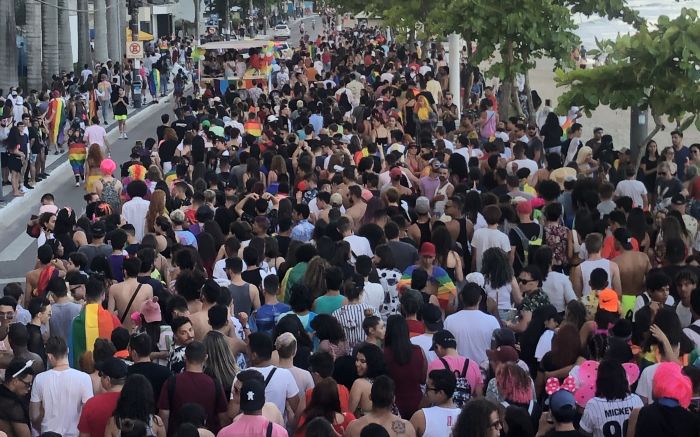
[(515, 388), (108, 187), (668, 415)]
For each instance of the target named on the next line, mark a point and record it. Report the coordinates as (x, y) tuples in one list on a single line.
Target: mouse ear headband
[(552, 386)]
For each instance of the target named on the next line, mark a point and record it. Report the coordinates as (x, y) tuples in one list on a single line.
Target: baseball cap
[(503, 337), (427, 249), (503, 354), (476, 278), (252, 396), (422, 205), (562, 404), (444, 338), (206, 123), (395, 173), (336, 199), (623, 236), (678, 199), (524, 207), (608, 301), (367, 195), (114, 368), (98, 229), (150, 310), (432, 317)]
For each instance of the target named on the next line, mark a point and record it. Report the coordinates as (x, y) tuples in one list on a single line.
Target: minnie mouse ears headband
[(552, 386)]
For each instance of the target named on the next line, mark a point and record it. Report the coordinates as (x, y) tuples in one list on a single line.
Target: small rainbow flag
[(253, 127), (56, 111), (446, 290), (92, 323)]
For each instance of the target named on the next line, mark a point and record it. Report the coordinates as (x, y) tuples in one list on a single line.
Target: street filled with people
[(347, 249)]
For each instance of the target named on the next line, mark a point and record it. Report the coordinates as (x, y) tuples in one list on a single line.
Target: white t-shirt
[(486, 238), (373, 295), (645, 381), (358, 246), (694, 336), (472, 330), (639, 303), (464, 151), (62, 395), (281, 386), (95, 134), (603, 418), (522, 163), (544, 344), (425, 342), (632, 188), (558, 288)]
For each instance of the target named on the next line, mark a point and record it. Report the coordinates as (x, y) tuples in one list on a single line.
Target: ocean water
[(602, 28)]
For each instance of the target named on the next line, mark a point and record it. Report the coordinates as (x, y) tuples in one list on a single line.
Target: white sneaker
[(125, 137), (77, 184)]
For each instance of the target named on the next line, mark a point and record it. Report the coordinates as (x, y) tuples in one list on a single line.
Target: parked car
[(282, 31)]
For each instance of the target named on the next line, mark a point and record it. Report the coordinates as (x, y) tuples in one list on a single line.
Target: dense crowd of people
[(346, 255)]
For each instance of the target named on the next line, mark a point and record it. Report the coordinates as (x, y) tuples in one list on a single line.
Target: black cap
[(432, 317), (679, 199), (252, 396), (114, 368), (503, 337), (444, 338), (623, 236)]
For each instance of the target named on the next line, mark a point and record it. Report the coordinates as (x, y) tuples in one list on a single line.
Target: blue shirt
[(266, 316), (316, 120), (680, 157), (303, 231)]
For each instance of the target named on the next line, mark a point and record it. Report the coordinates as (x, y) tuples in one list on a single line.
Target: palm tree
[(65, 48), (8, 46), (100, 54), (84, 52), (113, 30), (33, 44), (49, 51)]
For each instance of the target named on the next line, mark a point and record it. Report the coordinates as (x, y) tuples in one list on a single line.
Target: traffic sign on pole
[(134, 50)]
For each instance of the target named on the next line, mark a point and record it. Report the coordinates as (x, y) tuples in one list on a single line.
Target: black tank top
[(425, 233)]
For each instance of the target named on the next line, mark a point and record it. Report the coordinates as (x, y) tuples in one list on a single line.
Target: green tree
[(656, 69)]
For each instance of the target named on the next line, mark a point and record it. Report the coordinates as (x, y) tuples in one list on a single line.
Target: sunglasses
[(526, 281)]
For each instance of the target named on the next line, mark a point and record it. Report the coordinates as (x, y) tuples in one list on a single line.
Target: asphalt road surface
[(17, 249)]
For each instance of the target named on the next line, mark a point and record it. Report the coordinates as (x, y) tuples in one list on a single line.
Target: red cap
[(427, 249), (395, 172)]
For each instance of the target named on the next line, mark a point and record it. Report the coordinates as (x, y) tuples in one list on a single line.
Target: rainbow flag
[(56, 111), (92, 323), (253, 127), (446, 290), (154, 82), (77, 153)]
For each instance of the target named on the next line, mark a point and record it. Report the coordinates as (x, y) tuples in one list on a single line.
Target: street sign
[(134, 50)]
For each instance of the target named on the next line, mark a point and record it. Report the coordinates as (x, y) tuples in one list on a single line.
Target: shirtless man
[(128, 296), (358, 206), (200, 319), (633, 267), (46, 259), (581, 274), (382, 396), (219, 321)]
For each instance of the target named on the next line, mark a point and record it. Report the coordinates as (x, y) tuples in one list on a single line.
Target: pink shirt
[(251, 426), (457, 365)]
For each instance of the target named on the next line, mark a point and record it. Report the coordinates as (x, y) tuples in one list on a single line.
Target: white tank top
[(588, 266), (439, 421), (500, 295)]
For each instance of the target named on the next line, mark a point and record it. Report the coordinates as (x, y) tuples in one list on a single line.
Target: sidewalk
[(53, 161)]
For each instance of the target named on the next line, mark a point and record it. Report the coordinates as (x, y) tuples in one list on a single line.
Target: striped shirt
[(351, 317), (608, 418)]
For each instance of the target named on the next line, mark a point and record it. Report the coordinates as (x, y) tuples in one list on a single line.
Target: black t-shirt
[(160, 131), (154, 373), (180, 127), (657, 420), (166, 151), (531, 231), (574, 433)]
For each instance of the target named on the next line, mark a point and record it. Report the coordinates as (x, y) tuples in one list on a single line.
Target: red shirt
[(96, 413), (415, 327), (196, 388), (609, 251), (343, 394)]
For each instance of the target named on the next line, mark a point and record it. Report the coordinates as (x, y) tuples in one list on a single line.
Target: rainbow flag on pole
[(92, 323)]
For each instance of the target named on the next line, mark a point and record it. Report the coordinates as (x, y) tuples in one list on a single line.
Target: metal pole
[(453, 41), (136, 83)]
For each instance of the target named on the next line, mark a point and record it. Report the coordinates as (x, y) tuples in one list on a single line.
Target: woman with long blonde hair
[(92, 167), (221, 364), (155, 209)]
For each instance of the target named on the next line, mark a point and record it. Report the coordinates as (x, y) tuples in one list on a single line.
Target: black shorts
[(14, 163)]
